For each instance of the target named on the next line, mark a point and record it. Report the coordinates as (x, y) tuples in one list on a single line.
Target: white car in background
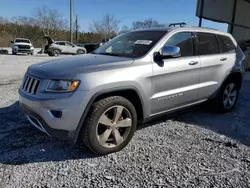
[(22, 45), (55, 48)]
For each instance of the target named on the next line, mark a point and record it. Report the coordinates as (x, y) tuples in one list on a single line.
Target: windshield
[(22, 40), (133, 44)]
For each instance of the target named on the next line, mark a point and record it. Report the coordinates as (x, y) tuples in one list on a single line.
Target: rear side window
[(226, 44), (207, 44), (184, 41), (61, 43)]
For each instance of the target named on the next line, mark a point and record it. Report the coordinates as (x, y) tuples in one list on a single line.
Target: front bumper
[(19, 50), (39, 114)]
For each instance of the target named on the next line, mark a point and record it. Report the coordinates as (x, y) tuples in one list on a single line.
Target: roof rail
[(181, 24)]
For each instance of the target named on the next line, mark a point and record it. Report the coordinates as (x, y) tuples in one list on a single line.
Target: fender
[(74, 135), (225, 79)]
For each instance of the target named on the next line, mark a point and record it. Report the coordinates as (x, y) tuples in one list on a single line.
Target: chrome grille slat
[(30, 85), (33, 87), (28, 89), (27, 83), (24, 82)]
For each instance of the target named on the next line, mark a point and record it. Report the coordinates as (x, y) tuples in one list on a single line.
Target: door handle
[(193, 63), (223, 59)]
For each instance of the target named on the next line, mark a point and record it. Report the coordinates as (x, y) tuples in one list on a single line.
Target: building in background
[(236, 13)]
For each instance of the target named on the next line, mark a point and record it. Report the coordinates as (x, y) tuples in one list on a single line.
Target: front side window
[(226, 44), (184, 41), (134, 44), (69, 44), (207, 44)]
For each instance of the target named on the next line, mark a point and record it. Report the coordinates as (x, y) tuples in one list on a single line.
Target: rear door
[(175, 82), (62, 47), (217, 55)]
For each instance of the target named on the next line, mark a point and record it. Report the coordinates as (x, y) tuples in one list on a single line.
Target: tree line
[(45, 21)]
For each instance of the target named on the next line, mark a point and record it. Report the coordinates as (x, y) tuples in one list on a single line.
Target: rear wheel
[(228, 96), (56, 52), (110, 125)]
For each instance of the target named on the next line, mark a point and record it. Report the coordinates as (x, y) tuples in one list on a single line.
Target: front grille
[(23, 47), (30, 85)]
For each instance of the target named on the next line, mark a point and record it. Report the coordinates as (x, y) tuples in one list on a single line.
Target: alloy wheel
[(230, 96), (114, 126)]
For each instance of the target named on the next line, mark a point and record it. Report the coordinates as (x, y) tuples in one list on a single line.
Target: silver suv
[(55, 48), (99, 98)]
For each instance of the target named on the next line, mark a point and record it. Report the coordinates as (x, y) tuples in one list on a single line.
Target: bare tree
[(50, 21), (124, 29), (107, 27), (148, 23)]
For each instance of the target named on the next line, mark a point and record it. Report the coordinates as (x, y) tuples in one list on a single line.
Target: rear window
[(207, 44), (226, 44)]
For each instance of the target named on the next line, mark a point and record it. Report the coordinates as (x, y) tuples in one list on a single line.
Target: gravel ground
[(196, 148)]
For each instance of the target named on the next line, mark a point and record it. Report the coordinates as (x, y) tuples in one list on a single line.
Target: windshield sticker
[(144, 42)]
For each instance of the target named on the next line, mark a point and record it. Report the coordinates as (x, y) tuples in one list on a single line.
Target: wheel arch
[(237, 76), (233, 75), (131, 93)]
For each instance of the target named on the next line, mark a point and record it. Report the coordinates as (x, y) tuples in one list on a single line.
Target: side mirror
[(170, 51), (11, 41)]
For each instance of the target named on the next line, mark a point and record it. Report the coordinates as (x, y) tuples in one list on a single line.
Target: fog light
[(56, 113)]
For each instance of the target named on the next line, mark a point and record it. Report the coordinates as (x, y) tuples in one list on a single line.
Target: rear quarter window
[(207, 44), (226, 44)]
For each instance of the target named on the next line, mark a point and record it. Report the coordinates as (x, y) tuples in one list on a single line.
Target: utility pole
[(76, 29), (71, 22)]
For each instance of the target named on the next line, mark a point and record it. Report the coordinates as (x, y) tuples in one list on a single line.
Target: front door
[(71, 49), (175, 82)]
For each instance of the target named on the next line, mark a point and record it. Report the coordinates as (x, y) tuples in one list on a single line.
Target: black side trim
[(95, 97)]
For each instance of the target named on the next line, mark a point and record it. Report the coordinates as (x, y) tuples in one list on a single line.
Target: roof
[(204, 29)]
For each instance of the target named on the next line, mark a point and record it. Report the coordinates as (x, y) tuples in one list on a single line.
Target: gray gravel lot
[(195, 148)]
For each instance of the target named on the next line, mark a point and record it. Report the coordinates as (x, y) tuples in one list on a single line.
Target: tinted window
[(133, 44), (226, 44), (61, 43), (184, 41), (22, 40), (207, 44)]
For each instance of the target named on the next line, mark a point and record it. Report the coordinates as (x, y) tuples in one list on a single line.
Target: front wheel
[(228, 96), (79, 52), (110, 125)]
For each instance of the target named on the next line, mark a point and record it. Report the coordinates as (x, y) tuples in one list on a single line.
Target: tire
[(13, 53), (55, 52), (79, 52), (104, 111), (224, 97), (50, 54)]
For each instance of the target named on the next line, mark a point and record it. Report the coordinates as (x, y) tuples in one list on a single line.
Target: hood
[(22, 43), (68, 68)]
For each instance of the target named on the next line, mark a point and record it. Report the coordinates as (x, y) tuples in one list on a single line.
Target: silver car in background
[(55, 48), (99, 98)]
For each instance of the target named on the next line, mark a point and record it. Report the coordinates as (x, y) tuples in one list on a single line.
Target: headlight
[(62, 85), (32, 47)]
